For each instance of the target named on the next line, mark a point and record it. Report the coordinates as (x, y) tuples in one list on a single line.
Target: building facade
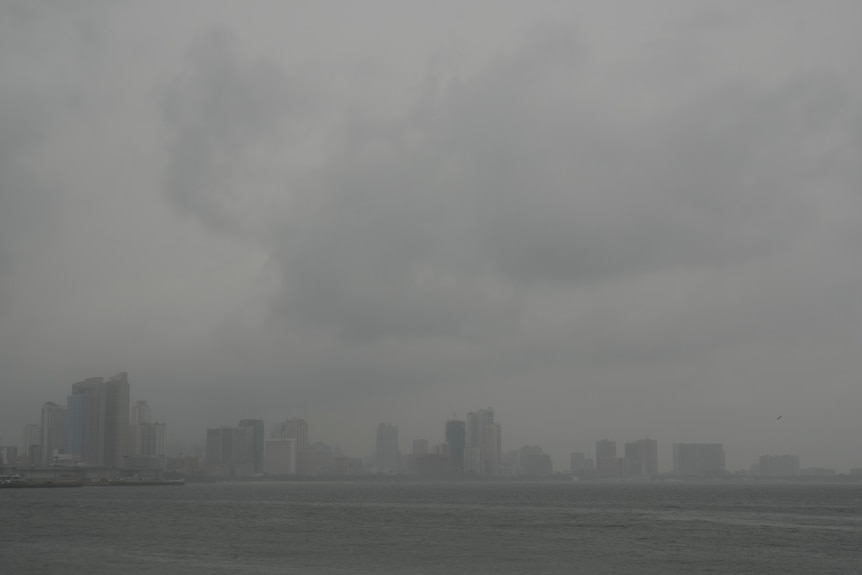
[(54, 430), (258, 449), (98, 421), (456, 440), (281, 456), (387, 453), (483, 450), (642, 458)]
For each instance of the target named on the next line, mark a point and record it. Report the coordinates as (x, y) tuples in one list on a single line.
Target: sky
[(618, 220)]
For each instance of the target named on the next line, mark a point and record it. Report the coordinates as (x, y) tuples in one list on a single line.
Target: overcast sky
[(602, 219)]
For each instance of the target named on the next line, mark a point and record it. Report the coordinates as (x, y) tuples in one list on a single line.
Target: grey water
[(477, 528)]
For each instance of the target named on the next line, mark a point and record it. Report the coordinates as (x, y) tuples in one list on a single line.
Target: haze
[(601, 219)]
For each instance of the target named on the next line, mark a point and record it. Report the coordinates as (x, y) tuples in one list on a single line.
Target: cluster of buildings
[(640, 460), (95, 427), (470, 446)]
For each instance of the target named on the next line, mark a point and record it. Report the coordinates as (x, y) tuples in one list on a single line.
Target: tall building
[(140, 413), (98, 427), (293, 428), (533, 461), (114, 438), (32, 437), (483, 450), (642, 458), (456, 439), (230, 450), (697, 459), (257, 431), (388, 455), (281, 456), (146, 438), (607, 462), (84, 406), (54, 431)]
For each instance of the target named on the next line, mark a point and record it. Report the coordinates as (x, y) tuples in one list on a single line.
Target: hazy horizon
[(618, 220)]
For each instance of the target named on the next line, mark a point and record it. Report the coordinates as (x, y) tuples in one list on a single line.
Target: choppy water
[(407, 528)]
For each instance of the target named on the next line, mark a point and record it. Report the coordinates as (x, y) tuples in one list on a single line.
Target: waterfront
[(434, 528)]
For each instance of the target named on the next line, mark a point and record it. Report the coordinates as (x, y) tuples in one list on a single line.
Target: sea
[(411, 527)]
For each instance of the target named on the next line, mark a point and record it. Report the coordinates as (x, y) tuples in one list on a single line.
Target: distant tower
[(482, 453), (98, 423), (140, 413), (293, 428), (388, 455), (642, 458), (32, 440), (54, 431), (606, 458), (456, 438), (257, 431)]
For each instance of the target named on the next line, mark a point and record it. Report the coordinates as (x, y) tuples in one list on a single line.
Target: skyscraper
[(388, 455), (293, 428), (230, 450), (257, 430), (98, 424), (115, 413), (54, 431), (483, 452), (140, 413), (642, 458), (84, 407), (606, 458), (32, 437), (456, 439), (281, 456)]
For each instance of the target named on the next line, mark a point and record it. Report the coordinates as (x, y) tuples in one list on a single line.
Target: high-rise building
[(456, 439), (281, 456), (533, 461), (146, 439), (84, 406), (483, 450), (642, 458), (695, 459), (607, 462), (54, 431), (115, 413), (293, 428), (98, 427), (388, 454), (32, 436), (230, 450), (257, 428), (140, 413)]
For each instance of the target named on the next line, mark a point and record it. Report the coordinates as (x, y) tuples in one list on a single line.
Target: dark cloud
[(617, 220)]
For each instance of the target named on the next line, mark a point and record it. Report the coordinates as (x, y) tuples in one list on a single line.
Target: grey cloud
[(216, 110), (644, 203)]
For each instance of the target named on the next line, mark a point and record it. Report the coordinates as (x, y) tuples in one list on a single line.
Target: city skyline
[(477, 438), (619, 220)]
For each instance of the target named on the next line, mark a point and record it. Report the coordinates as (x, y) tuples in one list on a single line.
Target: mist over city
[(602, 221)]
